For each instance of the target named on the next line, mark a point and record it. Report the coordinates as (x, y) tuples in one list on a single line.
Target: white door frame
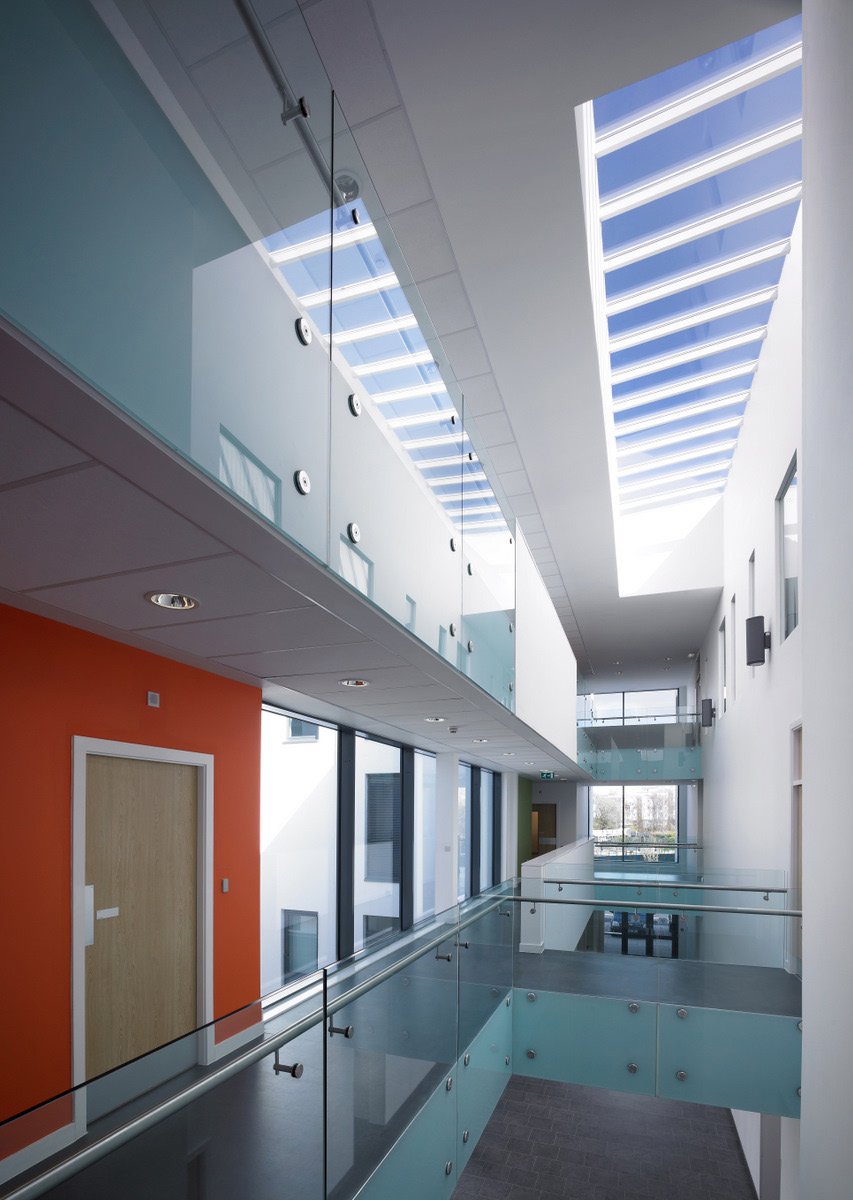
[(82, 747)]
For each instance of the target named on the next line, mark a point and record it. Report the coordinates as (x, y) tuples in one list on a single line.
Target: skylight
[(375, 331), (695, 186)]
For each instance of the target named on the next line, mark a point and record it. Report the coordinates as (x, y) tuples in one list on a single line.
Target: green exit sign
[(546, 774)]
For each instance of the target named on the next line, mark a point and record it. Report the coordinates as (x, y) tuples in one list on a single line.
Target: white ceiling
[(464, 114)]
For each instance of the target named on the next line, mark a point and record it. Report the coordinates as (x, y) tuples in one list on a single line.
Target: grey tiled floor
[(547, 1140)]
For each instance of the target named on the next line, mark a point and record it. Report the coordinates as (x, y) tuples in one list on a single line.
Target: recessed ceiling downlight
[(435, 720), (356, 683), (480, 741), (174, 600)]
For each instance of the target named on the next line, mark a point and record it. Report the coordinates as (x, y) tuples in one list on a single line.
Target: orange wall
[(57, 682)]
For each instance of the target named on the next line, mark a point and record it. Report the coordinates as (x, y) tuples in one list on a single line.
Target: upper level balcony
[(639, 736)]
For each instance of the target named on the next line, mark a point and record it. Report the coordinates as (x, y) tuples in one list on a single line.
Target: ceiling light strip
[(416, 359), (697, 316), (380, 329), (693, 230), (698, 350), (684, 435), (702, 168), (676, 477), (460, 497), (682, 386), (409, 393), (351, 291), (347, 237), (651, 501), (671, 286), (679, 414), (725, 447), (496, 523), (700, 99)]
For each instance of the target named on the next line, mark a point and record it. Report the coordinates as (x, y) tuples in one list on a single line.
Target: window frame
[(790, 477)]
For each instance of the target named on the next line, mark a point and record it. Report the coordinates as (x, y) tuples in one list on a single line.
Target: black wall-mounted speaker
[(708, 714), (757, 642)]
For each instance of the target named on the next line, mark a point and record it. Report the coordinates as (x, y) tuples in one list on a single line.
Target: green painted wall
[(525, 826)]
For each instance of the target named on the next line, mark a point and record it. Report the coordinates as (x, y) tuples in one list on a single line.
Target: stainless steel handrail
[(699, 887), (650, 845), (650, 906)]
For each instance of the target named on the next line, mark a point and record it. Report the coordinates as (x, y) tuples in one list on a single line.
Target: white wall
[(556, 926), (827, 1147), (746, 807), (546, 669)]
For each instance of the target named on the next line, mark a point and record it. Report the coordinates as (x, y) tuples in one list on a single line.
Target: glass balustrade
[(213, 259), (376, 1076)]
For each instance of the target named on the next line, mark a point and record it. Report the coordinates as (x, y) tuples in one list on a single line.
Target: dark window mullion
[(476, 805), (407, 840), (346, 842), (497, 848)]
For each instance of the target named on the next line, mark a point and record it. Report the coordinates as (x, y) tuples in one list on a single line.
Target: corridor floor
[(547, 1140)]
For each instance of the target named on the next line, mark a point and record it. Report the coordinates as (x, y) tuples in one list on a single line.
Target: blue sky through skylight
[(699, 174)]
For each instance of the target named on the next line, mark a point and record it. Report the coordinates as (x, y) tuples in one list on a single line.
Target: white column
[(826, 1160), (446, 826), (509, 824)]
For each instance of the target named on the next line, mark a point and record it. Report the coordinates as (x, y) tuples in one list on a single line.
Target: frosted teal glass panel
[(155, 281), (416, 1167), (485, 964), (734, 1059), (585, 1039), (402, 1048), (482, 1073)]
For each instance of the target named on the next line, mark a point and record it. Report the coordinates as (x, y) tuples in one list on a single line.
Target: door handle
[(89, 891)]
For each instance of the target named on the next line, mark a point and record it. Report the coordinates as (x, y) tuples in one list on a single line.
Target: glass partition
[(397, 442), (233, 284), (245, 1097), (463, 833), (391, 1043)]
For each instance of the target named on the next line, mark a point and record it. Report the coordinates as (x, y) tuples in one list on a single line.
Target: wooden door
[(545, 828), (141, 851)]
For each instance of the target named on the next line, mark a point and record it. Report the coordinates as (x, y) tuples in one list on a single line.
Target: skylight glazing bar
[(468, 477), (679, 414), (676, 477), (670, 460), (690, 279), (351, 291), (410, 393), (452, 461), (317, 245), (445, 439), (650, 366), (691, 384), (712, 223), (696, 101), (697, 316), (379, 329), (704, 168), (648, 501), (431, 418), (686, 435), (415, 359)]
